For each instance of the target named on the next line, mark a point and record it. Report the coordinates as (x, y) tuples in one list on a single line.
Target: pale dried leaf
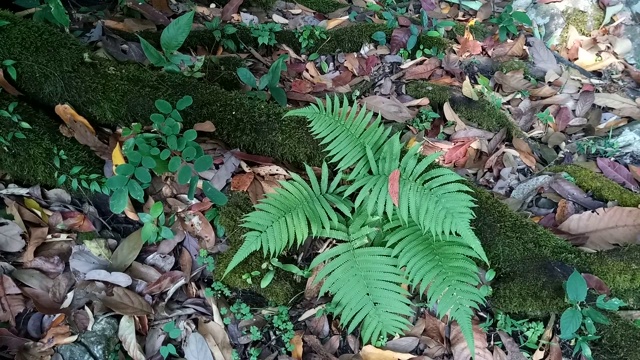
[(451, 115), (605, 228), (388, 108), (197, 348), (10, 236), (127, 335), (460, 348), (126, 302), (116, 278), (370, 352)]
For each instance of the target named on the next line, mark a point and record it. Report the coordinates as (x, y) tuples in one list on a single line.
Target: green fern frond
[(346, 131), (292, 213), (443, 267), (365, 283)]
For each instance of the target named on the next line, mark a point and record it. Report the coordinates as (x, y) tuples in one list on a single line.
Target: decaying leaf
[(164, 282), (116, 278), (617, 173), (460, 348), (10, 236), (126, 302), (394, 186), (83, 131), (451, 115), (127, 335), (605, 228), (216, 337), (127, 251), (197, 348), (389, 108), (370, 352)]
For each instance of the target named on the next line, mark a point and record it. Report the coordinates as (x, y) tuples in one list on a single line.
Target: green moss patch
[(323, 6), (120, 94), (600, 186), (30, 160), (283, 287), (480, 112)]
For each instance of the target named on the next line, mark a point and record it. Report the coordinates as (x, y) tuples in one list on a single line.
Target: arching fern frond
[(365, 283), (292, 213), (434, 199), (444, 267), (345, 131)]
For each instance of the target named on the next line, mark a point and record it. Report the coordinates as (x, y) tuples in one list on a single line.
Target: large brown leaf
[(126, 302), (617, 173), (460, 348), (605, 228), (127, 251), (389, 108)]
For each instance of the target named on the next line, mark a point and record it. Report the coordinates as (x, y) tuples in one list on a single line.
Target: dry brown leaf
[(331, 23), (197, 225), (451, 115), (206, 126), (58, 334), (594, 60), (216, 338), (423, 71), (565, 210), (241, 182), (460, 348), (126, 302), (164, 282), (605, 228), (7, 86), (127, 335), (11, 300), (510, 48), (613, 101), (468, 91), (297, 343), (468, 46), (83, 131), (389, 108), (352, 63), (370, 352)]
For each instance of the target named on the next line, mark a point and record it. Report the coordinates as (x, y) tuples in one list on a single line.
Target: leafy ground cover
[(466, 186)]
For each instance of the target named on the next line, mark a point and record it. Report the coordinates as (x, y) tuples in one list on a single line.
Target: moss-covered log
[(480, 112), (120, 94), (30, 160)]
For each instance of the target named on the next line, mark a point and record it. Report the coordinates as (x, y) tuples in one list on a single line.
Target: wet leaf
[(10, 236), (127, 251), (605, 228), (127, 335), (126, 302), (617, 173)]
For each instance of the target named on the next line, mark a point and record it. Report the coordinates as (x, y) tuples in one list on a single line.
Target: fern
[(428, 233)]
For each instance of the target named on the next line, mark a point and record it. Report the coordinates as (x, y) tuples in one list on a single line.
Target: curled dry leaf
[(217, 339), (7, 86), (127, 335), (164, 282), (605, 228), (617, 173), (451, 115), (370, 352), (595, 283), (116, 278), (513, 49), (388, 108), (297, 343)]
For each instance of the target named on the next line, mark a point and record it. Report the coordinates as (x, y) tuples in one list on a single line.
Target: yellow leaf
[(66, 112), (116, 157), (331, 23), (296, 353), (370, 352), (467, 89), (35, 207)]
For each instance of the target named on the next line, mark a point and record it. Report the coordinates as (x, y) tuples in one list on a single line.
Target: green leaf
[(149, 231), (203, 163), (576, 288), (215, 195), (411, 43), (145, 218), (176, 33), (163, 106), (596, 316), (247, 77), (190, 135), (155, 57), (135, 190), (156, 209), (164, 155), (117, 182), (118, 201), (522, 17), (380, 37), (570, 323), (279, 95), (148, 161), (125, 169), (268, 277), (59, 13), (166, 232), (12, 72), (611, 305), (157, 118), (143, 175), (175, 163), (74, 170), (184, 174), (193, 185), (185, 102)]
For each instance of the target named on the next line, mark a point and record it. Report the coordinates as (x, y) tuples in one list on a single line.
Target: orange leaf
[(394, 186), (66, 112), (296, 353), (457, 155)]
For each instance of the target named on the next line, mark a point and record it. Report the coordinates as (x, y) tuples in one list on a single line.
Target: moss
[(481, 112), (619, 340), (283, 287), (120, 94), (30, 160), (514, 64), (601, 187), (527, 258), (478, 30), (323, 6), (583, 22)]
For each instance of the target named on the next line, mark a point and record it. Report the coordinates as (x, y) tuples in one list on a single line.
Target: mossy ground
[(282, 289), (478, 30), (514, 64), (598, 185), (583, 22), (30, 160), (480, 112)]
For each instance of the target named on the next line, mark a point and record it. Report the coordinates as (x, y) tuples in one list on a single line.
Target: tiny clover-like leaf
[(143, 175), (148, 161), (125, 169), (190, 135), (164, 155), (203, 163), (174, 163), (184, 174), (570, 322), (189, 153), (163, 106), (576, 288), (185, 102), (157, 118), (171, 330)]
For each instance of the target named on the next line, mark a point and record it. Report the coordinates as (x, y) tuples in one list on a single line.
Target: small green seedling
[(171, 39), (577, 323), (274, 263), (11, 70), (424, 118), (9, 113), (94, 183), (154, 228), (380, 37), (266, 33), (545, 117), (269, 81), (205, 259), (217, 289), (174, 333), (222, 33), (507, 22), (310, 36)]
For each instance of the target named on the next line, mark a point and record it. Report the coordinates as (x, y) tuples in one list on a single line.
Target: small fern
[(425, 240)]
